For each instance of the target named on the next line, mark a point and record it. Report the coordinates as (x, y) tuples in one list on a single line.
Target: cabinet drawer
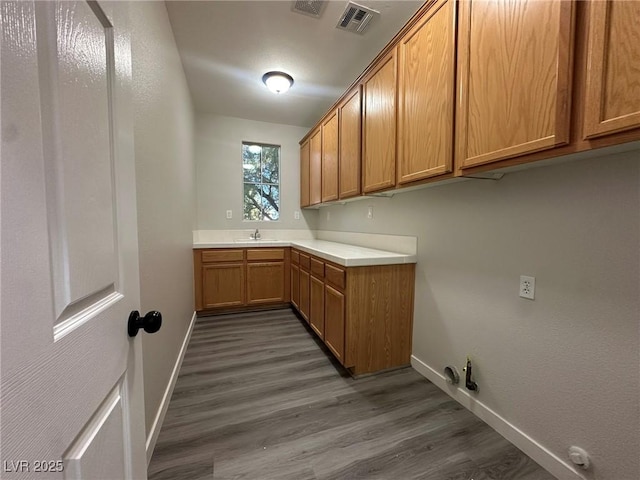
[(295, 257), (213, 256), (317, 268), (305, 260), (335, 276), (265, 254)]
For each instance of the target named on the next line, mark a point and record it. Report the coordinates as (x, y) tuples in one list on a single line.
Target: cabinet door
[(330, 158), (265, 283), (426, 58), (304, 174), (316, 310), (349, 138), (612, 100), (315, 168), (304, 294), (295, 286), (334, 330), (379, 126), (222, 285), (514, 78)]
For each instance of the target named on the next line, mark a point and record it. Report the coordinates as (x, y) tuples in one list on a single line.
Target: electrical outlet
[(370, 212), (527, 287), (328, 215), (229, 214), (296, 215)]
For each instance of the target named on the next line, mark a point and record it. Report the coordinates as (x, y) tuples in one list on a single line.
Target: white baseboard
[(164, 404), (547, 459)]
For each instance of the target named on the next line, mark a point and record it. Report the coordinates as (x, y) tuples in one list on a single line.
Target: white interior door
[(71, 386)]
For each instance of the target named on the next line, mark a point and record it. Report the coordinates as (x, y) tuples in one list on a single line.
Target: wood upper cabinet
[(315, 167), (514, 78), (426, 59), (349, 136), (304, 174), (330, 157), (612, 97), (379, 125)]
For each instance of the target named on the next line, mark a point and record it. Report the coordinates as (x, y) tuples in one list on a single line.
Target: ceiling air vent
[(356, 18), (312, 8)]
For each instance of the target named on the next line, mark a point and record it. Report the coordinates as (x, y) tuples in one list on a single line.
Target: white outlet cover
[(296, 215), (527, 287), (229, 214), (370, 212)]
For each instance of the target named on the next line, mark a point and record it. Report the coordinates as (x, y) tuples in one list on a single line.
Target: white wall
[(165, 177), (218, 150), (564, 368)]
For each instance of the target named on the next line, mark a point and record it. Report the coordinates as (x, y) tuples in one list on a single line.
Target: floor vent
[(312, 8), (356, 18)]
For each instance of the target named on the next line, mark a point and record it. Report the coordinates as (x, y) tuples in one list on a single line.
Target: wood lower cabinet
[(295, 286), (426, 59), (265, 283), (233, 279), (363, 314), (334, 321), (612, 102), (514, 78), (316, 309), (223, 285), (305, 285)]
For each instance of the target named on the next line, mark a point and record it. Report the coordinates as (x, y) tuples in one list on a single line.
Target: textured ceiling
[(226, 47)]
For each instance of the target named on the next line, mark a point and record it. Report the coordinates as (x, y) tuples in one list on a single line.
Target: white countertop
[(340, 253)]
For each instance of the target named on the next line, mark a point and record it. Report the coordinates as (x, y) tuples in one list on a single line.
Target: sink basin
[(251, 240)]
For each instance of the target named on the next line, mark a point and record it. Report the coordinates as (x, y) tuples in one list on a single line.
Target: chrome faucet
[(256, 235)]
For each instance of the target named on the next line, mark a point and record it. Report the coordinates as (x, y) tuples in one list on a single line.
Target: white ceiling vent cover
[(356, 18), (312, 8)]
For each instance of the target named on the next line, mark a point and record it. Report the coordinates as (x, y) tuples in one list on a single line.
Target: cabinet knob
[(150, 323)]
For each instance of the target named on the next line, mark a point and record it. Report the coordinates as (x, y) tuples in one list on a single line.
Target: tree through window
[(261, 173)]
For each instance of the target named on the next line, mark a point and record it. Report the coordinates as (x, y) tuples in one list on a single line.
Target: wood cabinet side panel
[(379, 317), (349, 139), (330, 158), (379, 126), (315, 168)]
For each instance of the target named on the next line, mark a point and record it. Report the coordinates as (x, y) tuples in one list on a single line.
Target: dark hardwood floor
[(258, 397)]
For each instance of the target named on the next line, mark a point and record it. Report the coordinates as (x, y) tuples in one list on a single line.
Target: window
[(261, 176)]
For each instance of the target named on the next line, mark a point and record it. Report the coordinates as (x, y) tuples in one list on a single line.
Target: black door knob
[(151, 322)]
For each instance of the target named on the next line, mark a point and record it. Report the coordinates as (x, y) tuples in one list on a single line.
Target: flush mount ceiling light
[(277, 82)]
